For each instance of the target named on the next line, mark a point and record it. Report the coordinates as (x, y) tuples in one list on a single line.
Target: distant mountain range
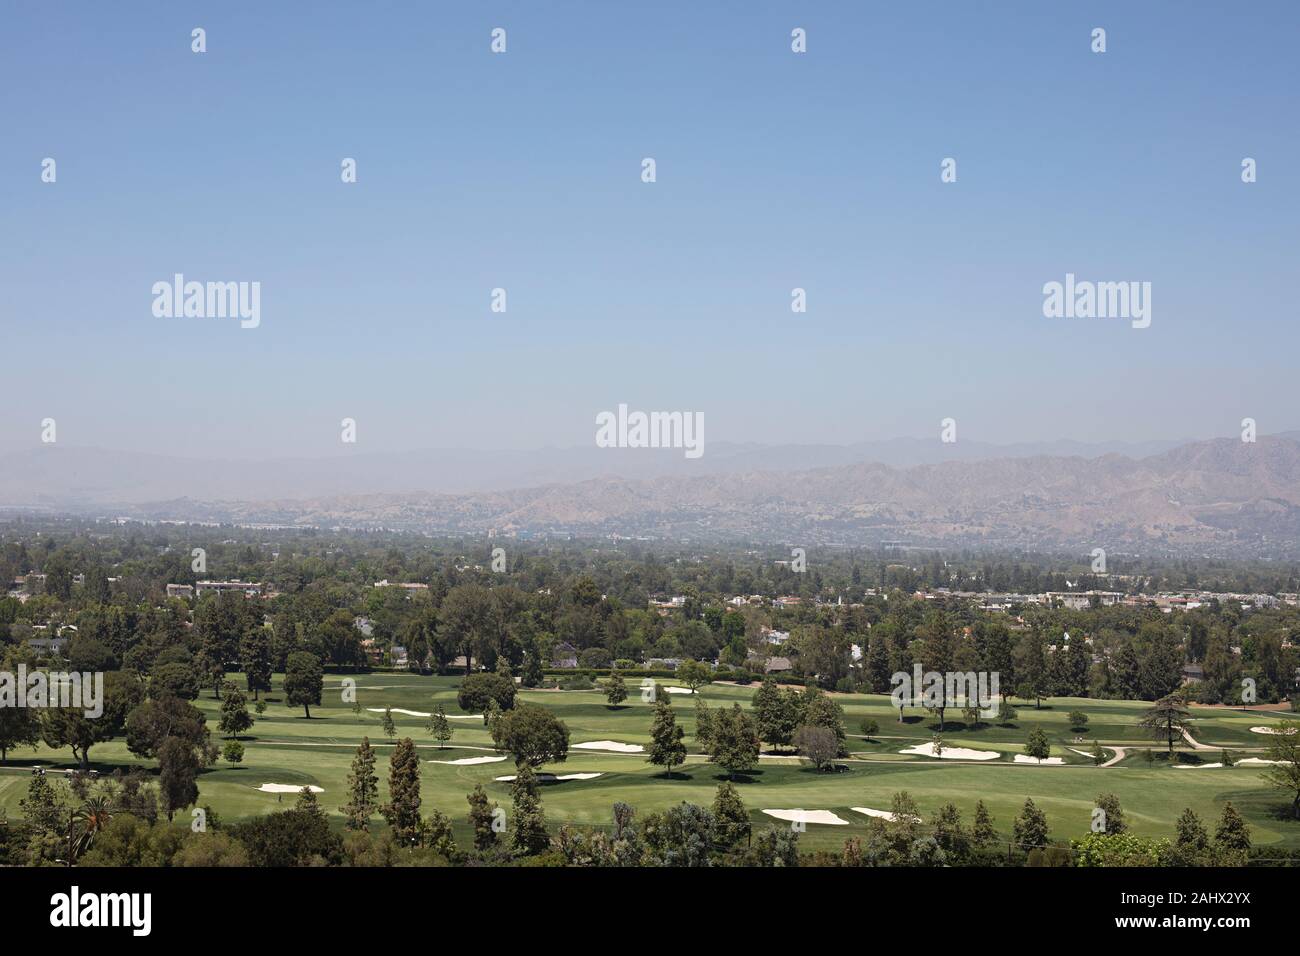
[(61, 477), (1221, 497)]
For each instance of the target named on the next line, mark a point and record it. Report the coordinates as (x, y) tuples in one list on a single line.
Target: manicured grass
[(284, 747)]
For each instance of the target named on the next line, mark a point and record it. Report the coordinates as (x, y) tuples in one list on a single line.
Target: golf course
[(285, 751)]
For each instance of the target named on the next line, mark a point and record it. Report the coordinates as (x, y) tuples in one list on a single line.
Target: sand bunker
[(1196, 766), (464, 716), (289, 788), (551, 778), (467, 761), (1257, 762), (399, 710), (808, 816), (613, 745), (679, 690), (1044, 762), (952, 753), (1271, 730), (883, 814), (1087, 753)]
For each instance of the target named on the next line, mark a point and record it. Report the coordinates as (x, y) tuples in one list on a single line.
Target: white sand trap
[(1271, 730), (679, 690), (613, 745), (289, 788), (952, 753), (399, 710), (464, 716), (1257, 762), (1044, 762), (467, 761), (551, 778), (883, 814), (1087, 753), (808, 816), (1196, 766)]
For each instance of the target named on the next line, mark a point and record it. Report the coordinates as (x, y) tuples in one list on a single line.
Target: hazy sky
[(522, 170)]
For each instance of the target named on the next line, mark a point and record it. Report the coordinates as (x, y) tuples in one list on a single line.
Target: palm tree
[(90, 820)]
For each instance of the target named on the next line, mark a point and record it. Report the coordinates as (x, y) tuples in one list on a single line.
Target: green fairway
[(286, 748)]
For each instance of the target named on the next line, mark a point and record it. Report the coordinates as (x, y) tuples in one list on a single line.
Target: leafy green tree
[(235, 718), (730, 815), (44, 807), (440, 727), (703, 723), (684, 835), (255, 658), (403, 808), (233, 752), (1078, 720), (869, 727), (178, 774), (19, 727), (71, 727), (734, 741), (438, 835), (776, 713), (1098, 755), (386, 721), (533, 674), (1030, 828), (1191, 841), (615, 689), (983, 832), (1232, 834), (532, 735), (1037, 745), (819, 710), (1284, 774), (477, 690), (951, 836), (528, 835), (304, 681), (1113, 814), (176, 679), (1167, 720), (667, 749), (778, 846), (694, 674), (1006, 713), (482, 815), (363, 788), (289, 838)]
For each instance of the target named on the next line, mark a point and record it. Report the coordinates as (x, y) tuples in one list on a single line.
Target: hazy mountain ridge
[(1220, 496), (58, 476)]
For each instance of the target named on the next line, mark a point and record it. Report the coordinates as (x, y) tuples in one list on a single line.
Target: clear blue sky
[(522, 170)]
